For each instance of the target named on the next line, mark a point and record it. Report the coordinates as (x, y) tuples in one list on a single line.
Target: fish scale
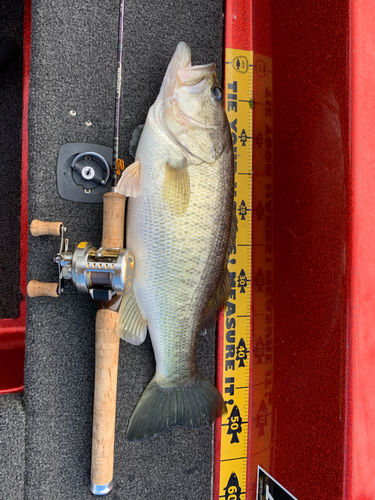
[(175, 260)]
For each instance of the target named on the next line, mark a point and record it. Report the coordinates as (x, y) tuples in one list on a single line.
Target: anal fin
[(131, 326)]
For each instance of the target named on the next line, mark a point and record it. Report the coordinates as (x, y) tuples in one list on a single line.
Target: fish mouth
[(181, 72)]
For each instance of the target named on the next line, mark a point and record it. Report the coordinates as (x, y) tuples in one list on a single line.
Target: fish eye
[(218, 93)]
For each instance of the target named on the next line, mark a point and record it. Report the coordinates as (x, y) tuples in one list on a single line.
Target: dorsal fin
[(233, 232), (222, 293), (136, 135)]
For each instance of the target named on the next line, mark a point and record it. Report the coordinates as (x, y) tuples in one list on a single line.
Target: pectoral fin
[(128, 184), (131, 326), (176, 188)]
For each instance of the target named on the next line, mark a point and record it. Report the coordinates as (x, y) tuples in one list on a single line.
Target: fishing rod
[(118, 166), (84, 175)]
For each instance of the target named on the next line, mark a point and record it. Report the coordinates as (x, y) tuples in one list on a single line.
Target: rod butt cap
[(101, 489)]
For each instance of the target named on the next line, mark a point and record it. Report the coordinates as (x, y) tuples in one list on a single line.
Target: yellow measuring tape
[(237, 314), (237, 474)]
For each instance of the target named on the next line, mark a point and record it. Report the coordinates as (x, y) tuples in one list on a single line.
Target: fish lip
[(181, 59), (204, 66), (192, 75)]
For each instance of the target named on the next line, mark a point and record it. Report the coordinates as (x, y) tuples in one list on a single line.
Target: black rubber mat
[(11, 30)]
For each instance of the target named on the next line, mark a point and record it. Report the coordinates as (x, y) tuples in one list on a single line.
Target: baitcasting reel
[(101, 272)]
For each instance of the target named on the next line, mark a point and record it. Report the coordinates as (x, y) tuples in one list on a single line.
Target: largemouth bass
[(180, 227)]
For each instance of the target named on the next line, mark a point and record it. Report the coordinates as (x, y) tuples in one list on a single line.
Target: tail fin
[(195, 404)]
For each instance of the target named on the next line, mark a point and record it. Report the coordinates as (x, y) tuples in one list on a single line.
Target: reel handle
[(42, 228), (40, 289)]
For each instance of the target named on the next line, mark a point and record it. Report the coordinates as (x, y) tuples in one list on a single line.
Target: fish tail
[(195, 404)]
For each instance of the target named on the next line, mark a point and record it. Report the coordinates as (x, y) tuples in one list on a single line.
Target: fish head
[(190, 108)]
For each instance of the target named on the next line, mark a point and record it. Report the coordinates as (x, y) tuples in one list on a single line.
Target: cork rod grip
[(106, 367), (106, 360), (40, 289), (42, 228), (113, 220)]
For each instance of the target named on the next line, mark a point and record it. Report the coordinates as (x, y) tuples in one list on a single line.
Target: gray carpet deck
[(12, 447), (73, 63)]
